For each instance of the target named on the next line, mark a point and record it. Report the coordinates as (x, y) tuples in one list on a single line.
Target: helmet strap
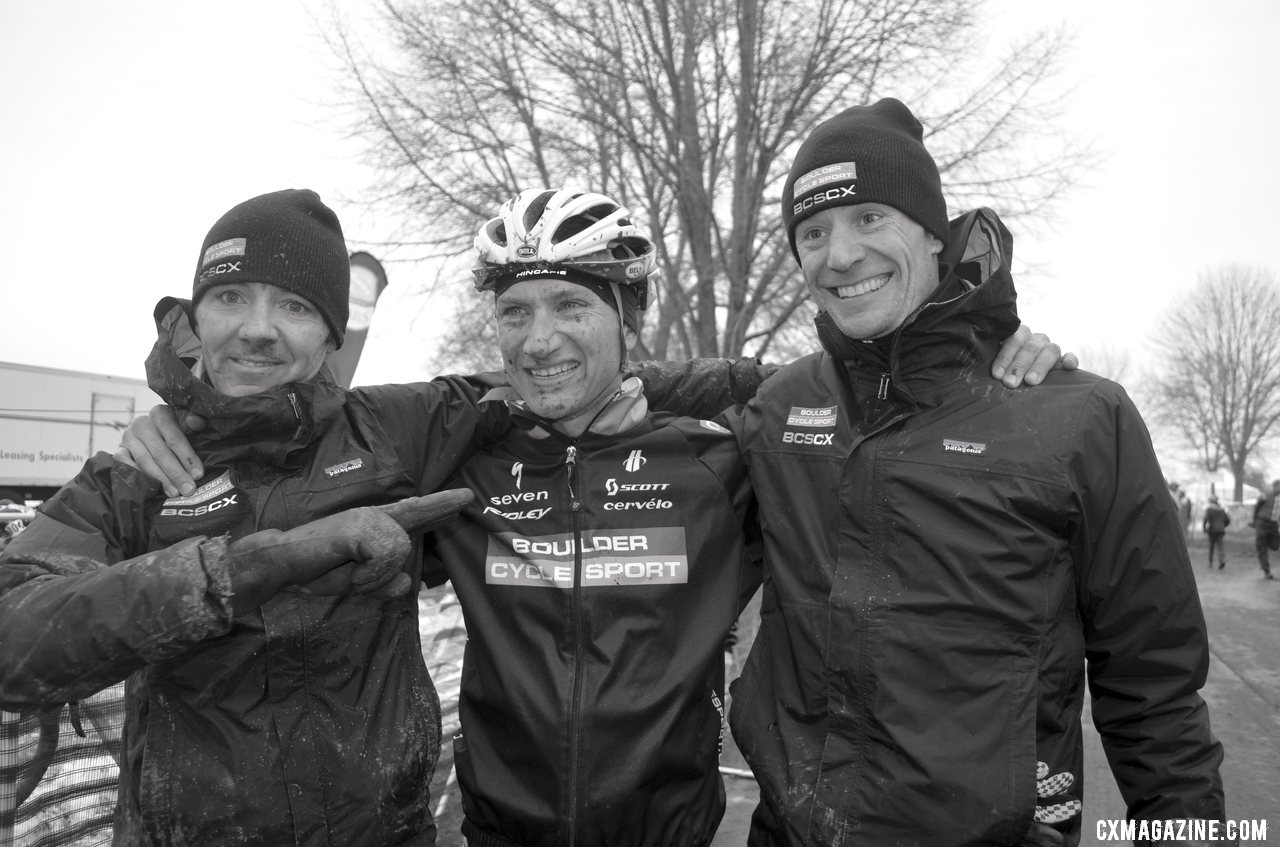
[(622, 329)]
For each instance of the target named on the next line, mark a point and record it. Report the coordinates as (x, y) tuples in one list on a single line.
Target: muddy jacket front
[(311, 721), (598, 578), (944, 557)]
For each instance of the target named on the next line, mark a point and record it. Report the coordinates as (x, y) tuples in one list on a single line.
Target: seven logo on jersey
[(598, 558), (518, 500)]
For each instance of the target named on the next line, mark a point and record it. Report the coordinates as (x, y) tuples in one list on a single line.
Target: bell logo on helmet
[(635, 270), (526, 251)]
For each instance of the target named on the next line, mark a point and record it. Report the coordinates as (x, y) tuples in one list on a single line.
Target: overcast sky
[(132, 125)]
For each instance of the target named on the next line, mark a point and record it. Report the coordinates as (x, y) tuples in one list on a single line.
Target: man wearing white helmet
[(596, 609), (602, 561)]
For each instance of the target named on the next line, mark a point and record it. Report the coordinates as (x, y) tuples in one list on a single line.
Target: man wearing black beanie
[(264, 620), (946, 555)]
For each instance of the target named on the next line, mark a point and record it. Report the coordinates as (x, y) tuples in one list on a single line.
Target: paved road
[(1243, 692)]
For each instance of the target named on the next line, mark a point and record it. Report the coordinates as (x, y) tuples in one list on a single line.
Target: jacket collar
[(958, 328), (266, 427), (626, 409)]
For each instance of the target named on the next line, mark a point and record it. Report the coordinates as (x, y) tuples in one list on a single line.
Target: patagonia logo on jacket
[(343, 467), (955, 445)]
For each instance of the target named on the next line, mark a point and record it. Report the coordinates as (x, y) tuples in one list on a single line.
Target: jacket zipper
[(883, 392), (575, 506), (575, 609)]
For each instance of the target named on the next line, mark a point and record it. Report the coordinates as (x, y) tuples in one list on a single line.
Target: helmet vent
[(535, 208), (582, 221)]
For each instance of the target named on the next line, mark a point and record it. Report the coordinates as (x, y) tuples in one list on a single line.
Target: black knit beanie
[(866, 154), (288, 239)]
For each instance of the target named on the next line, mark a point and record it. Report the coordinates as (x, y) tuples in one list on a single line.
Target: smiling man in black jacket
[(947, 558), (276, 692)]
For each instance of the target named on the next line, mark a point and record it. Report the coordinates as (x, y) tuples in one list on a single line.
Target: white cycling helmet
[(579, 232)]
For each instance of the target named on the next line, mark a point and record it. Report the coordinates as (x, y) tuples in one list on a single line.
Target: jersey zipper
[(575, 506), (883, 392)]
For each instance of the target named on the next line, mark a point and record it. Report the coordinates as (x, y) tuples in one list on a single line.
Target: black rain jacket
[(311, 721), (947, 560)]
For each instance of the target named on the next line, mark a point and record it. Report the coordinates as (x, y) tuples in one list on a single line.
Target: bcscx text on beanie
[(866, 154), (289, 239)]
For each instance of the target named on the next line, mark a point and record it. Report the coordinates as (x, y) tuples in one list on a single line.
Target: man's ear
[(935, 244)]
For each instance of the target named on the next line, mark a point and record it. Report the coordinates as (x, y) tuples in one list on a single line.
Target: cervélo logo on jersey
[(635, 495), (213, 496), (808, 420), (597, 557)]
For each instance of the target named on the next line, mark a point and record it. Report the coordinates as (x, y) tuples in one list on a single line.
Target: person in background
[(265, 623), (1185, 509), (1216, 521), (1266, 527)]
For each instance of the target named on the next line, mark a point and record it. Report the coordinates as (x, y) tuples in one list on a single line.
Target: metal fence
[(59, 768)]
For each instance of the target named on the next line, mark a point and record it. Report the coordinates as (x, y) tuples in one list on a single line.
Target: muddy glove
[(1053, 805), (358, 551)]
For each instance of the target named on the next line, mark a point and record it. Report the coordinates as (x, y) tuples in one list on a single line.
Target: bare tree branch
[(689, 111), (1220, 381)]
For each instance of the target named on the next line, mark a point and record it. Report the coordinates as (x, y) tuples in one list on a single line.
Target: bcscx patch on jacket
[(213, 509)]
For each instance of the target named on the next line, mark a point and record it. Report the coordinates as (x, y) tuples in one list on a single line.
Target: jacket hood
[(264, 427), (974, 305)]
